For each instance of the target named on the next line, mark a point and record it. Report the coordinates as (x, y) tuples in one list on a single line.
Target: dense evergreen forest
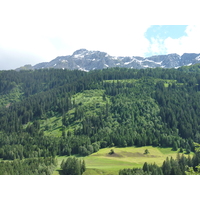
[(158, 107), (30, 166)]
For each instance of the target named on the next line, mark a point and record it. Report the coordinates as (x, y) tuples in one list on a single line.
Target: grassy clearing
[(101, 163), (122, 81), (155, 80), (91, 101), (89, 96), (13, 96)]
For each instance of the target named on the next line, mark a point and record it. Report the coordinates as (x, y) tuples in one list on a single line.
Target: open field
[(101, 163)]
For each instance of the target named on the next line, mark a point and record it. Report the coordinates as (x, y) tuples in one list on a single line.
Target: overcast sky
[(34, 31)]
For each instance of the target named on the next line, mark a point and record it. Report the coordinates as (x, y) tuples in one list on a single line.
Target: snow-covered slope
[(85, 60)]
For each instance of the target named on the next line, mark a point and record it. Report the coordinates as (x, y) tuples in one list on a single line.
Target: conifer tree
[(83, 167), (166, 167), (146, 167), (175, 147)]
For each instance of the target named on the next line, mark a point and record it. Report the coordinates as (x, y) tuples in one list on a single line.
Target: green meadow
[(102, 163)]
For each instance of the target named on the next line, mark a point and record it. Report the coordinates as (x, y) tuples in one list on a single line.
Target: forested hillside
[(50, 112)]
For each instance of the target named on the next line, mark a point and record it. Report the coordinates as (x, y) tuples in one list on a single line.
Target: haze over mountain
[(86, 60)]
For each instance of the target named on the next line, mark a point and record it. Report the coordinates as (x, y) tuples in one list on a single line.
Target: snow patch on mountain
[(197, 58), (82, 69), (64, 61), (159, 63), (126, 63), (139, 61), (149, 60), (79, 56)]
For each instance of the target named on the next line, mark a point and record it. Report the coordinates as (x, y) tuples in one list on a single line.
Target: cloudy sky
[(34, 31)]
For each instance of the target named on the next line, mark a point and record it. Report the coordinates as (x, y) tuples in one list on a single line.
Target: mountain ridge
[(86, 60)]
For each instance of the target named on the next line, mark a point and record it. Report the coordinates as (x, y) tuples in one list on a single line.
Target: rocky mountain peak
[(80, 51), (85, 60)]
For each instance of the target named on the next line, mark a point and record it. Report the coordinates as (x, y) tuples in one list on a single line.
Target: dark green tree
[(111, 152), (166, 167), (175, 146), (146, 151), (146, 167)]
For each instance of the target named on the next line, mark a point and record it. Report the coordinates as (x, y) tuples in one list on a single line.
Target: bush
[(111, 152), (146, 151)]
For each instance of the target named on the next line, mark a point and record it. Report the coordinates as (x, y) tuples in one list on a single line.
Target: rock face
[(85, 60)]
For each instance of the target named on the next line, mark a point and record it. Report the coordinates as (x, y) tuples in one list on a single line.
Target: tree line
[(30, 166), (73, 166), (182, 165)]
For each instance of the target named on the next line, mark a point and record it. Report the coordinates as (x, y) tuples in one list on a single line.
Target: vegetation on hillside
[(180, 166), (73, 166), (30, 166), (50, 112)]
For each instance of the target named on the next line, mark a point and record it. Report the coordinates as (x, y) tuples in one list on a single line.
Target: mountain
[(85, 60)]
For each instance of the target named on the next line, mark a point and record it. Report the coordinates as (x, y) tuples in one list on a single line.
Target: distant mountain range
[(90, 60)]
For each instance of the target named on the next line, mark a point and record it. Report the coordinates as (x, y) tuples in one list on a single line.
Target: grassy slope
[(91, 102), (13, 96), (101, 163)]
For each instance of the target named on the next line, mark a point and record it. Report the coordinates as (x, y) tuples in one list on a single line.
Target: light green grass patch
[(166, 82), (122, 81), (129, 157), (13, 96), (135, 155), (91, 101)]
